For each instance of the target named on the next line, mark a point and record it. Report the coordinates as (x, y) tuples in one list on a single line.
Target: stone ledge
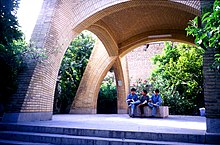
[(32, 116), (82, 111), (122, 111), (162, 112)]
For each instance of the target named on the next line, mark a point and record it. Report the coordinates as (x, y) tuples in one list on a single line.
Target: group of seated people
[(153, 102)]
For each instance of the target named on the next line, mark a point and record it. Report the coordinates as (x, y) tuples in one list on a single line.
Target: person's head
[(157, 91), (133, 91), (144, 92)]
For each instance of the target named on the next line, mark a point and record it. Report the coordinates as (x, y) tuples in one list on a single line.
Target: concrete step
[(60, 139), (114, 134), (14, 142)]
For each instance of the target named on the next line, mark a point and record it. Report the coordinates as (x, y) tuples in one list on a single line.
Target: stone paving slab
[(13, 142), (122, 122), (81, 140)]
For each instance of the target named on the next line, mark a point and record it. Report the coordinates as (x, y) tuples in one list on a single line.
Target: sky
[(27, 15)]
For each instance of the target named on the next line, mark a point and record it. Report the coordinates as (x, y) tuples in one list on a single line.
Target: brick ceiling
[(136, 20), (148, 16)]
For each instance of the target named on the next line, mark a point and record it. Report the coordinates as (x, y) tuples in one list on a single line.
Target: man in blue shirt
[(144, 99), (155, 102), (132, 100)]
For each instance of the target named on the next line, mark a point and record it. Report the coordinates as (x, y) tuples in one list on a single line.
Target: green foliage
[(9, 65), (13, 60), (179, 78), (10, 41), (9, 29), (72, 69), (107, 100), (207, 34)]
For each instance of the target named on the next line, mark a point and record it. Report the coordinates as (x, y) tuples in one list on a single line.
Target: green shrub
[(107, 99), (71, 71), (179, 78)]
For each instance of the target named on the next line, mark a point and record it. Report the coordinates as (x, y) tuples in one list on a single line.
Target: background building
[(140, 63)]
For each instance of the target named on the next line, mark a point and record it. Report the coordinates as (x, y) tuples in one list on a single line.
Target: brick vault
[(121, 25)]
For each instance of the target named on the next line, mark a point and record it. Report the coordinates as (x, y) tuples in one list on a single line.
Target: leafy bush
[(107, 99), (179, 78), (207, 31), (9, 50)]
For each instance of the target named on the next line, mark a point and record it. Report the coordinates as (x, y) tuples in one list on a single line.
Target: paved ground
[(122, 122)]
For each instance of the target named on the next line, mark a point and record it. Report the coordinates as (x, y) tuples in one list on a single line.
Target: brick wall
[(61, 20), (140, 64)]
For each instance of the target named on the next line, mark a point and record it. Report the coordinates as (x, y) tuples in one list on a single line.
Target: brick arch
[(58, 23), (148, 37), (87, 94), (105, 35)]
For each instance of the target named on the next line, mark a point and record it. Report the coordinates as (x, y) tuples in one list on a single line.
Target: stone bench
[(162, 112)]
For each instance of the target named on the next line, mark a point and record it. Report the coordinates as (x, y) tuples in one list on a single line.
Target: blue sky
[(27, 15)]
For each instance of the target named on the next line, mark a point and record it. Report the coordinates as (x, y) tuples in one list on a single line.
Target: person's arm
[(128, 99), (150, 100), (135, 98), (146, 100), (159, 101)]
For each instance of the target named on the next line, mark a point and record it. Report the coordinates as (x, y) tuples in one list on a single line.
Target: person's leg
[(144, 106), (141, 107), (132, 108), (129, 109), (150, 105), (133, 105), (129, 103), (154, 110)]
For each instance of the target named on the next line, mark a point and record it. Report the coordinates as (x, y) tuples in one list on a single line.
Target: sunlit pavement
[(122, 122)]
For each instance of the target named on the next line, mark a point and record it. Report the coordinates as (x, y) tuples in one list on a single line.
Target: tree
[(207, 31), (179, 78), (9, 28), (10, 48), (71, 70)]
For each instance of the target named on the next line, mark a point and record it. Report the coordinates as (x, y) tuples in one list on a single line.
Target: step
[(14, 142), (77, 140), (151, 136)]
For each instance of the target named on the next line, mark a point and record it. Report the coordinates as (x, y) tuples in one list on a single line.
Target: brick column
[(36, 83), (211, 87), (122, 82), (33, 99), (211, 93)]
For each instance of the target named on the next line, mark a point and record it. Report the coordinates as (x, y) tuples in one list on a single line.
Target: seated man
[(132, 100), (143, 101), (155, 102)]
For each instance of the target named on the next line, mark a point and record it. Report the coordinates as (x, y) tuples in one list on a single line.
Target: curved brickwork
[(122, 82), (103, 33), (121, 25), (87, 94)]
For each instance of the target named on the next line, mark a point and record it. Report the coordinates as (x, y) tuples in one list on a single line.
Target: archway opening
[(107, 98), (175, 69), (71, 71)]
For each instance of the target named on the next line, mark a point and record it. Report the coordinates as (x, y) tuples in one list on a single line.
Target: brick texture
[(87, 94), (140, 63), (121, 25), (211, 86)]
